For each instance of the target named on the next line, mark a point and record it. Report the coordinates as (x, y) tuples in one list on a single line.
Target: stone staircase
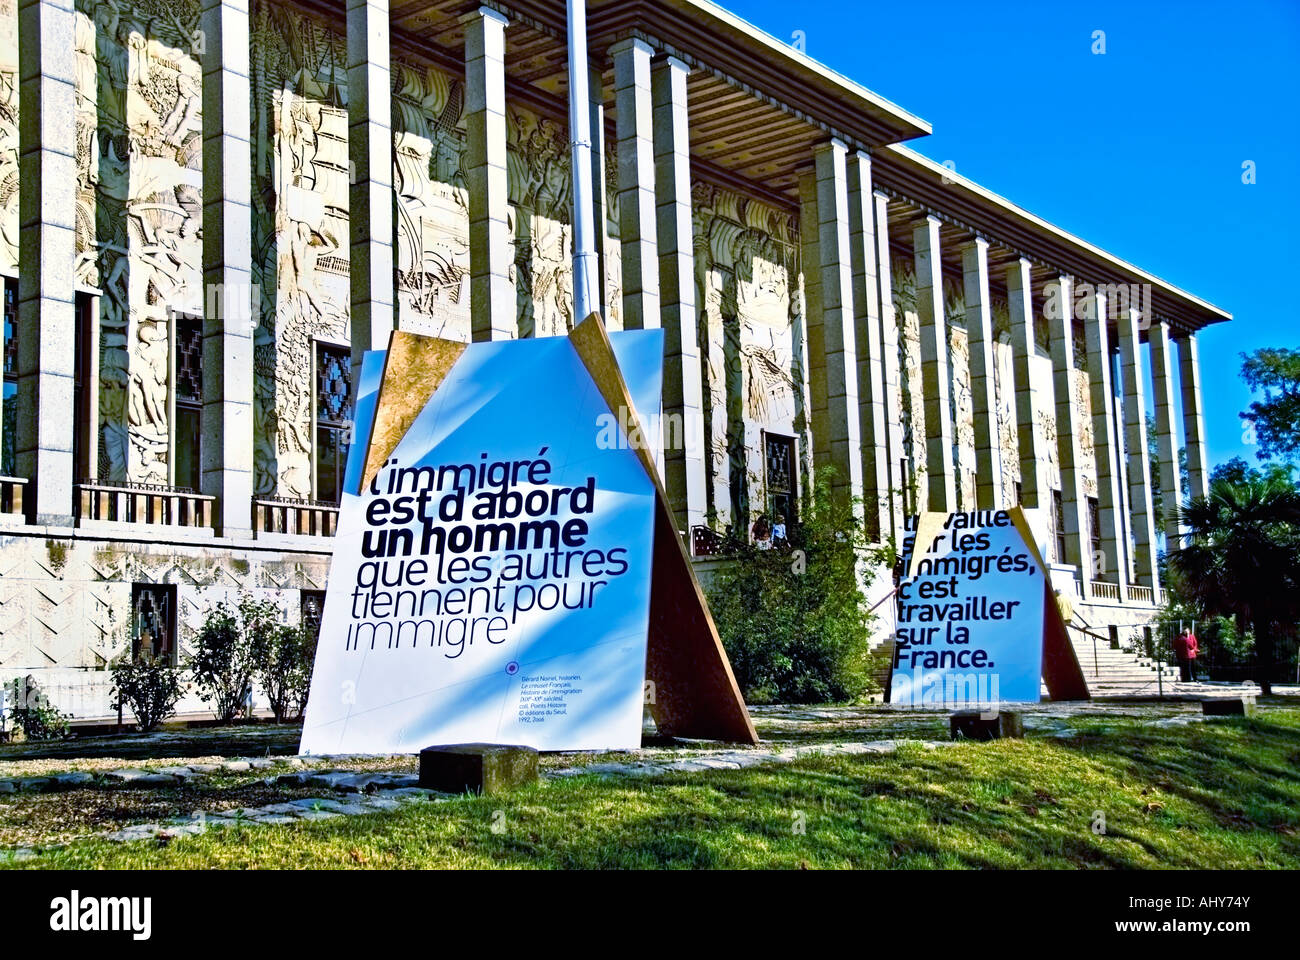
[(1118, 673), (1109, 672)]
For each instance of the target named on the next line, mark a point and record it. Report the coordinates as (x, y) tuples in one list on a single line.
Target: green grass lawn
[(1219, 794)]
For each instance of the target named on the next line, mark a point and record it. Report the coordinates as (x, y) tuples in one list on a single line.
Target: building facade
[(210, 208)]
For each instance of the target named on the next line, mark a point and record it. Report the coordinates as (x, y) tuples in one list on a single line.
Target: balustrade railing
[(313, 518), (11, 494), (143, 503)]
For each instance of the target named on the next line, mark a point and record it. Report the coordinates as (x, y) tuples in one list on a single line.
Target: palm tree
[(1241, 558)]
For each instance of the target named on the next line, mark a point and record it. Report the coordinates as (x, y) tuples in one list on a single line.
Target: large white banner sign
[(492, 582), (970, 612)]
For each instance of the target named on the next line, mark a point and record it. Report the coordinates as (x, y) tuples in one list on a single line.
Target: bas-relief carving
[(1087, 439), (745, 257), (139, 211), (300, 233), (432, 203), (9, 135), (962, 399), (1005, 391), (540, 195), (911, 401)]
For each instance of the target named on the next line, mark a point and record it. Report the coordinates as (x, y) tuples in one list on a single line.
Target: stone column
[(1069, 424), (866, 338), (1139, 470), (370, 198), (636, 183), (1111, 562), (1162, 379), (935, 384), (832, 357), (600, 212), (1189, 370), (891, 370), (683, 400), (1030, 404), (1119, 424), (46, 302), (979, 331), (230, 301), (492, 294)]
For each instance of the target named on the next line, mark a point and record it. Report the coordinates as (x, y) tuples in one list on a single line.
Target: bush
[(794, 619), (221, 663), (150, 686), (35, 715), (283, 656)]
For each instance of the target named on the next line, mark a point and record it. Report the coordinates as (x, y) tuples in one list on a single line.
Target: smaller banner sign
[(973, 607)]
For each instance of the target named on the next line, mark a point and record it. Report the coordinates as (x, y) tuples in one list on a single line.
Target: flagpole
[(585, 264)]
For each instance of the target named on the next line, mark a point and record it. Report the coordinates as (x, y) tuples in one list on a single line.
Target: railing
[(1103, 590), (706, 542), (11, 494), (313, 518), (143, 503), (1140, 594)]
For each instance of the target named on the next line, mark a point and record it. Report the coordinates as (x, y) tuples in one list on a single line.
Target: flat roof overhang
[(957, 200), (757, 106)]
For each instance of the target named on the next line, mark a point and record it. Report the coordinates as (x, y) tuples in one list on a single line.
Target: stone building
[(209, 208)]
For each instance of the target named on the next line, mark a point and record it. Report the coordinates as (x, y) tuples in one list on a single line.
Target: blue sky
[(1139, 150)]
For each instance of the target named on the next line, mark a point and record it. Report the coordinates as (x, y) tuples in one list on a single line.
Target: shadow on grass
[(254, 739)]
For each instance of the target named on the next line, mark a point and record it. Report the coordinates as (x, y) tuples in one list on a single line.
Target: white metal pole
[(585, 264)]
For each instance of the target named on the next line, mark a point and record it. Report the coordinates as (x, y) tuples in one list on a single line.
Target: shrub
[(33, 713), (301, 686), (150, 686), (283, 656), (221, 663), (794, 620)]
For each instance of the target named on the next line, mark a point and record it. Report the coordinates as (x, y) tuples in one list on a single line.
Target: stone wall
[(65, 604)]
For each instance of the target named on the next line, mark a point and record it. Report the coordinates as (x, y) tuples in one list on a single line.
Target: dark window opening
[(311, 607), (153, 621), (1094, 538), (86, 419), (189, 402), (1058, 524), (10, 386), (333, 419), (782, 479)]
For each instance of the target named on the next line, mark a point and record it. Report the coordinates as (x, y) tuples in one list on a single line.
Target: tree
[(1242, 559), (794, 619), (283, 656), (150, 686), (222, 662), (1276, 418), (1238, 471), (1153, 463)]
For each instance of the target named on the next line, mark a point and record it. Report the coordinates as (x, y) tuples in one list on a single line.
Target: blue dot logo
[(512, 668)]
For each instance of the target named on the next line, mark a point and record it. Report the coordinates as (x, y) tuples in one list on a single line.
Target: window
[(85, 401), (1058, 524), (1020, 493), (1096, 566), (333, 419), (10, 386), (781, 477), (153, 621), (311, 606), (188, 374)]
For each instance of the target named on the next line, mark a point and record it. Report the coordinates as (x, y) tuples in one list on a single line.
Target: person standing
[(1185, 650)]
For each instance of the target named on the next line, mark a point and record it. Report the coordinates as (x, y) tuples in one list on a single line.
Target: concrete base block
[(477, 767), (1228, 706), (977, 725)]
